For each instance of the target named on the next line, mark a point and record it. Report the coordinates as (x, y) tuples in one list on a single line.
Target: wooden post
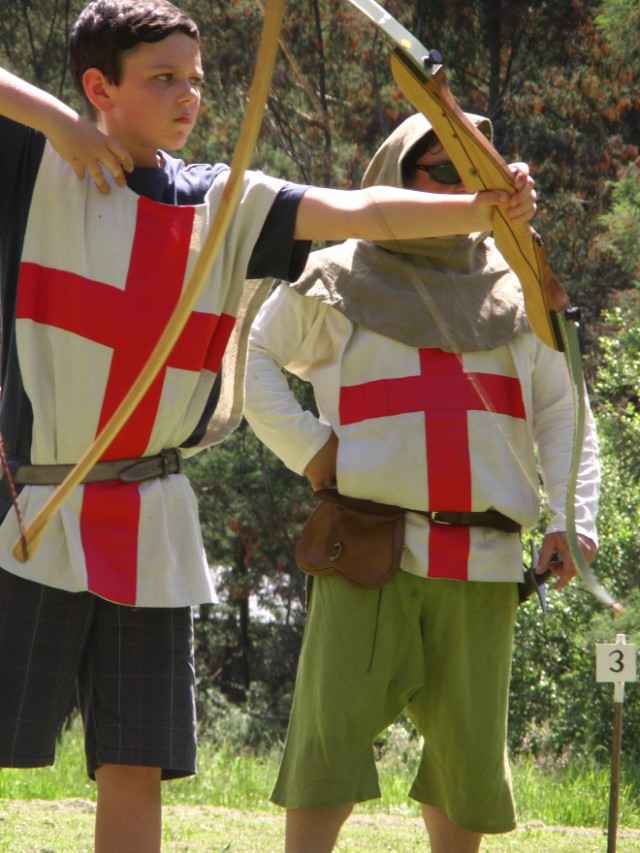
[(615, 663), (616, 750)]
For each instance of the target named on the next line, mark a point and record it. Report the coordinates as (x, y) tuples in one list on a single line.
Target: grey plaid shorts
[(132, 667)]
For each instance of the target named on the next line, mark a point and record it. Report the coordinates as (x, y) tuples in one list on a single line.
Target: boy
[(91, 270)]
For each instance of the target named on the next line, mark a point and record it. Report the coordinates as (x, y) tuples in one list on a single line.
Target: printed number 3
[(618, 656)]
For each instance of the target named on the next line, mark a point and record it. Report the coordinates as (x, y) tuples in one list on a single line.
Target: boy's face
[(156, 103)]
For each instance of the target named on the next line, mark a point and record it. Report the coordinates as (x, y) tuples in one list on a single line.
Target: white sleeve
[(288, 332), (554, 420)]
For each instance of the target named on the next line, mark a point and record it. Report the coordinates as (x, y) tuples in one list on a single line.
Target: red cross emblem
[(445, 393), (129, 321)]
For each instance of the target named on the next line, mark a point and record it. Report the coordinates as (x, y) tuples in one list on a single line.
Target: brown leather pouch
[(361, 540)]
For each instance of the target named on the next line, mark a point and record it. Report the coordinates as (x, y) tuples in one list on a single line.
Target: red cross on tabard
[(445, 393), (129, 322)]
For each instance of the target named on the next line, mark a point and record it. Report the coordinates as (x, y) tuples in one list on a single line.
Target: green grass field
[(226, 808)]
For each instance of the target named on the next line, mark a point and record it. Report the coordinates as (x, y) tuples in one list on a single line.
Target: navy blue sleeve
[(20, 155), (276, 253)]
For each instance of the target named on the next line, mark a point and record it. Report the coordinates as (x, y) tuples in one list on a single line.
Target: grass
[(225, 807), (67, 827)]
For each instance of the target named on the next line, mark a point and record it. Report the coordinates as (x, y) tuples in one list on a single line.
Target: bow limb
[(265, 61), (481, 168), (568, 330), (422, 79)]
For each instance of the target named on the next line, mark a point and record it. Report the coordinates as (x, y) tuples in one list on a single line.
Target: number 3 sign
[(616, 662)]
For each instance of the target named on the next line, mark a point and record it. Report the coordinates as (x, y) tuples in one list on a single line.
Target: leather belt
[(126, 470), (490, 518)]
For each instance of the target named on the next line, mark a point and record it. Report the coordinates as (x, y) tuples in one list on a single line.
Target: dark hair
[(430, 141), (106, 29), (424, 144)]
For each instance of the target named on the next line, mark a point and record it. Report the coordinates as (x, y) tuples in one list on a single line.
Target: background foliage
[(557, 79)]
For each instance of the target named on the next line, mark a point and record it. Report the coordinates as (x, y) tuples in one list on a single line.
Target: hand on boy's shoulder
[(89, 151)]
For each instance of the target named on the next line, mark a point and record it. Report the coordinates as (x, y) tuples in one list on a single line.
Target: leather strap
[(490, 518), (126, 470)]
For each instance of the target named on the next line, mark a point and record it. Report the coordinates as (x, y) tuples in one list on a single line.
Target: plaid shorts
[(133, 668), (439, 649)]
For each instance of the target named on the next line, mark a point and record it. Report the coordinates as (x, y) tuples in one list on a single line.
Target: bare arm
[(383, 213), (82, 145)]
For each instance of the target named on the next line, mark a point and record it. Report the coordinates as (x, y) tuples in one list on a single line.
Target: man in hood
[(434, 396)]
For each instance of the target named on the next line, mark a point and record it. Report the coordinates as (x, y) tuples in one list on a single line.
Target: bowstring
[(581, 566), (576, 378), (444, 328), (474, 381)]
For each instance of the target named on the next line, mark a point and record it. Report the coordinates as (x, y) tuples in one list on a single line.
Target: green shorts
[(439, 649)]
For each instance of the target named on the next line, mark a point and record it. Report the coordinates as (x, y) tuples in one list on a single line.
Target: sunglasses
[(443, 173)]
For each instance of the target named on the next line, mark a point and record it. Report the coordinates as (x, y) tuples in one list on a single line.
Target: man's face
[(434, 173), (156, 103)]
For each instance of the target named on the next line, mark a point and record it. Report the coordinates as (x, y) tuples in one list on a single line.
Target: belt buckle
[(171, 462), (434, 518)]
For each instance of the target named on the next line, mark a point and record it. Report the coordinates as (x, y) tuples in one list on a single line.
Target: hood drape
[(455, 293)]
